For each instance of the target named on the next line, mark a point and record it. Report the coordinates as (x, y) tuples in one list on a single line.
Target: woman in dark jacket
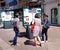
[(45, 28)]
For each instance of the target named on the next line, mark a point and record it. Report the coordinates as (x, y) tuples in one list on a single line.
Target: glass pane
[(54, 15)]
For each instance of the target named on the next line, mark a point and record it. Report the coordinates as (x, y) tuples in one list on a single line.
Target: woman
[(45, 28), (37, 21)]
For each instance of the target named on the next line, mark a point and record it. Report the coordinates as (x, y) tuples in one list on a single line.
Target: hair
[(16, 16), (37, 15), (45, 15)]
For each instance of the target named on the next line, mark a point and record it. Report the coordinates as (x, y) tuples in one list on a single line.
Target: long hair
[(45, 15), (37, 15)]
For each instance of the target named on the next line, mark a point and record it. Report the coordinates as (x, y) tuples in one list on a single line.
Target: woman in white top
[(37, 21)]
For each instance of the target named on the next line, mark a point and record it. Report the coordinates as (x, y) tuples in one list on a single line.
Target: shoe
[(11, 41), (18, 44), (40, 44), (35, 44), (46, 41), (42, 41), (13, 44)]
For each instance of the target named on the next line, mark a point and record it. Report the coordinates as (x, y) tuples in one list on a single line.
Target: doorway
[(54, 13)]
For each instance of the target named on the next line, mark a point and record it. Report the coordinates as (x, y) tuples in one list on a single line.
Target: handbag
[(32, 26)]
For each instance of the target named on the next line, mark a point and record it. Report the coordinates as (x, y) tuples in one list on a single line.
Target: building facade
[(2, 3), (52, 8)]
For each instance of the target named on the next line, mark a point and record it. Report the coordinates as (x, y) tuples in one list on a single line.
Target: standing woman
[(45, 28), (37, 22)]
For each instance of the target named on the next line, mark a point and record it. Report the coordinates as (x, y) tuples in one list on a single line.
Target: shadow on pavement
[(28, 42), (22, 34)]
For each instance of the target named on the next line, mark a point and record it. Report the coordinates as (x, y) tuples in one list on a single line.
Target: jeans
[(44, 31), (16, 35)]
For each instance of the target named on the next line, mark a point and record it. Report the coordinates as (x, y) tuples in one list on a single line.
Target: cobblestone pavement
[(8, 34)]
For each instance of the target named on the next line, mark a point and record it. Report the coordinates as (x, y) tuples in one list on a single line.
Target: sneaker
[(34, 44), (40, 44), (13, 44), (46, 41), (10, 41), (42, 41), (18, 44)]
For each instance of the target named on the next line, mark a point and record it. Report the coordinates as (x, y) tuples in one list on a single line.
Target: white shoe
[(46, 41), (42, 41), (18, 44)]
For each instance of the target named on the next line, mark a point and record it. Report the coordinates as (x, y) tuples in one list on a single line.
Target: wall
[(48, 7), (12, 4), (49, 0)]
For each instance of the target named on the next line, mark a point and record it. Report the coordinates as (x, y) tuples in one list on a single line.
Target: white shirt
[(16, 22)]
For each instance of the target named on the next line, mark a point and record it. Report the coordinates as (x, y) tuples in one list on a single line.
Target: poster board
[(29, 13), (7, 16)]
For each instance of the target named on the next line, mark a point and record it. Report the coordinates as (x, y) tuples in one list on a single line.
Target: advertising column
[(29, 13)]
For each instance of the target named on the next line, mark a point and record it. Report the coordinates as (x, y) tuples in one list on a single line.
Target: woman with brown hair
[(37, 21), (45, 28)]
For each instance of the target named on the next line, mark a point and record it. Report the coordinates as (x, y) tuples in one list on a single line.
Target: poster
[(26, 16), (7, 16), (3, 16), (29, 13)]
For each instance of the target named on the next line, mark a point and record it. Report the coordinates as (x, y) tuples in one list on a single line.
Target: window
[(54, 13)]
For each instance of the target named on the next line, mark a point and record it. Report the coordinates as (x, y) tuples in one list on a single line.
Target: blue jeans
[(44, 31), (16, 35)]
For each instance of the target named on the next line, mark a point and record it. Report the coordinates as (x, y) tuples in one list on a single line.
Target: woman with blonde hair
[(37, 21)]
